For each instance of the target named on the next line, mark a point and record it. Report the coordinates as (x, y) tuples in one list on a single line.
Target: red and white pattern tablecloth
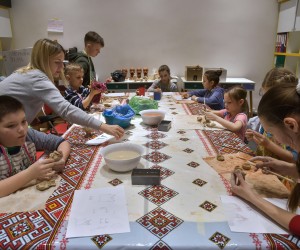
[(184, 212)]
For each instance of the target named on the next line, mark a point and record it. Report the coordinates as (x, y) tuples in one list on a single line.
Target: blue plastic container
[(119, 115)]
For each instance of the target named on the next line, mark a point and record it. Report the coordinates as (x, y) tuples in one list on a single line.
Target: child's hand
[(95, 92), (249, 134), (211, 116), (42, 169), (185, 95), (194, 98), (59, 165), (258, 138)]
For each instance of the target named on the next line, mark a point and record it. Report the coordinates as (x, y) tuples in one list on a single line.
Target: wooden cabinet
[(287, 46)]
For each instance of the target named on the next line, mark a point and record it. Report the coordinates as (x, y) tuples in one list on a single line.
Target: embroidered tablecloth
[(184, 212)]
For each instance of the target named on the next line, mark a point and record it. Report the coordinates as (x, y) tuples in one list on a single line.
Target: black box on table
[(164, 125), (141, 176)]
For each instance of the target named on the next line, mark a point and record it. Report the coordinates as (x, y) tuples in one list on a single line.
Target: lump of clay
[(44, 185), (56, 155), (211, 124), (265, 170), (220, 158), (88, 132), (207, 120), (246, 166)]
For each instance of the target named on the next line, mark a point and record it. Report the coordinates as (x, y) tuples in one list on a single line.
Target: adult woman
[(212, 94), (33, 86), (279, 114)]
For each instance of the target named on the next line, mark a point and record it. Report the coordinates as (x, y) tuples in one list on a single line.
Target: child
[(234, 116), (279, 114), (165, 83), (212, 94), (266, 146), (93, 43), (18, 164), (76, 93)]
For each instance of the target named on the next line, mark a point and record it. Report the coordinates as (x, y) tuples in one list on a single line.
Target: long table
[(184, 212)]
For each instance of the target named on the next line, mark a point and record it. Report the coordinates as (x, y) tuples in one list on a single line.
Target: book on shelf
[(281, 42)]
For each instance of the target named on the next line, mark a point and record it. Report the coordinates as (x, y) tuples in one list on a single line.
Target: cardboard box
[(223, 76), (193, 73)]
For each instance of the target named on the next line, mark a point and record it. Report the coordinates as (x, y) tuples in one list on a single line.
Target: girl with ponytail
[(279, 113)]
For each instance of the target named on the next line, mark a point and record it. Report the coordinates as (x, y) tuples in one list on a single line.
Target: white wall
[(238, 35)]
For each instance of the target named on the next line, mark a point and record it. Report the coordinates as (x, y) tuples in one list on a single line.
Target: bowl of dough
[(122, 157), (152, 116)]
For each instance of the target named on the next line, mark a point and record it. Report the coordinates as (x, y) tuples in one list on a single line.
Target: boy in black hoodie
[(93, 43)]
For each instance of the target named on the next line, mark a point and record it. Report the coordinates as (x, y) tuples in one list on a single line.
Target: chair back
[(47, 110)]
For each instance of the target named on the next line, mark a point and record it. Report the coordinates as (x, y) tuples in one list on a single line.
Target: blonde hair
[(278, 75), (72, 67), (42, 50)]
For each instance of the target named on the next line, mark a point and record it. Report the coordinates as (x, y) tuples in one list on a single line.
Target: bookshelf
[(287, 45)]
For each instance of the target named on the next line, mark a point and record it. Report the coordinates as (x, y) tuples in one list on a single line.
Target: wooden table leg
[(251, 105)]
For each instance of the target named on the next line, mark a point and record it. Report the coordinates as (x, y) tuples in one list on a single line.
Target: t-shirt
[(294, 225), (239, 117)]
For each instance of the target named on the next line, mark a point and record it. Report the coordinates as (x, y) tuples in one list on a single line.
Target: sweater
[(76, 97), (34, 89), (213, 98), (87, 64), (171, 87)]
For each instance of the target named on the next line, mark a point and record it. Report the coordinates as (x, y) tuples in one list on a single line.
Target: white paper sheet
[(98, 211), (243, 218), (179, 98), (114, 94), (168, 93), (99, 139)]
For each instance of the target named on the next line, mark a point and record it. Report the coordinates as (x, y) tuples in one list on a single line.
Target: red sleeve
[(294, 225)]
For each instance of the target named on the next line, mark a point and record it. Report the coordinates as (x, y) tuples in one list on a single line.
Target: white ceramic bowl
[(126, 163), (152, 116)]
